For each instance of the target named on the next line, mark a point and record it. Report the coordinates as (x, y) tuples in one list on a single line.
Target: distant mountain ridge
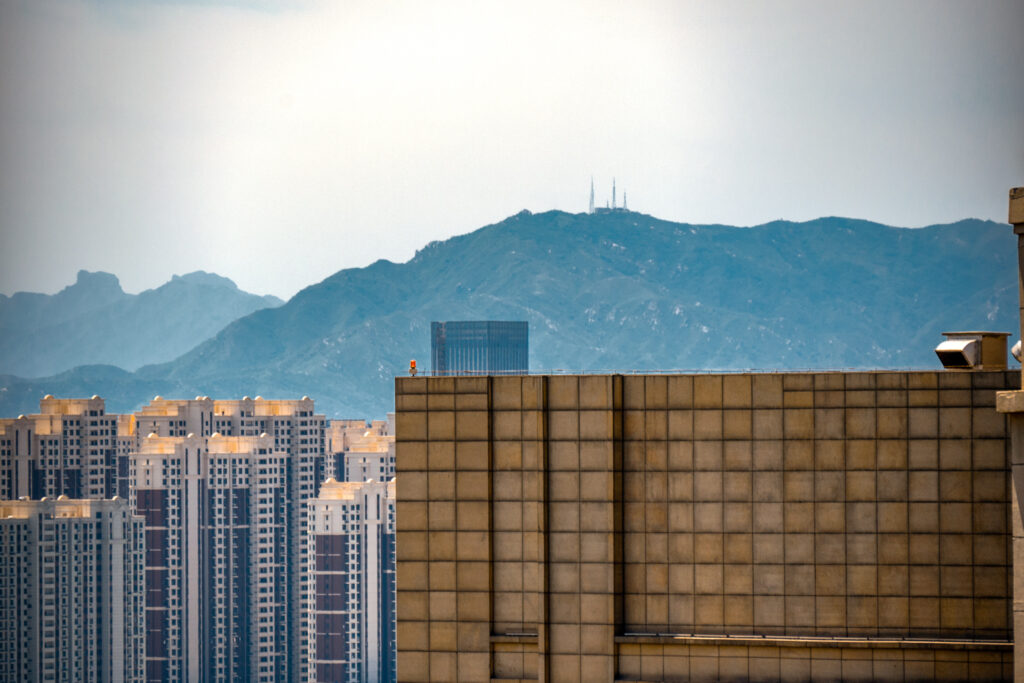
[(94, 321), (602, 292)]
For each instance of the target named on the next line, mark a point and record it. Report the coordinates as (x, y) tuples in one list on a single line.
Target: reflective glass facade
[(479, 346)]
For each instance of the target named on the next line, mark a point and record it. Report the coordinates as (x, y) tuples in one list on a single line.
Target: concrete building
[(296, 431), (216, 557), (351, 600), (1011, 403), (376, 465), (359, 451), (71, 591), (343, 435), (68, 448), (493, 347), (790, 526)]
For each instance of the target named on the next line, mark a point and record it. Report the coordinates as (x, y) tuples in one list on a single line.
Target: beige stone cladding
[(787, 526)]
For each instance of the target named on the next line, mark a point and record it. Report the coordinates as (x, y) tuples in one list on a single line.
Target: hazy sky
[(278, 142)]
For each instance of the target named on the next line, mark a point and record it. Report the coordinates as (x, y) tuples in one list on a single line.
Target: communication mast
[(611, 206)]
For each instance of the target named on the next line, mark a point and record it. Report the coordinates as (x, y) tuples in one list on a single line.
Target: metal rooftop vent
[(973, 350)]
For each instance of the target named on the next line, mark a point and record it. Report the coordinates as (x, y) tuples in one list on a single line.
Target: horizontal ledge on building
[(641, 372), (1010, 401), (812, 641), (528, 638)]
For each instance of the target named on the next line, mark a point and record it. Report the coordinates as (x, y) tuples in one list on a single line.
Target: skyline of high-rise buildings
[(292, 430), (649, 527), (221, 489), (69, 448), (72, 588)]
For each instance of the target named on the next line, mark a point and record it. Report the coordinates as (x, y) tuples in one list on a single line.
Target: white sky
[(278, 142)]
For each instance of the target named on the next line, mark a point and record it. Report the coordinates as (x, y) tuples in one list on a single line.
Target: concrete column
[(1012, 404)]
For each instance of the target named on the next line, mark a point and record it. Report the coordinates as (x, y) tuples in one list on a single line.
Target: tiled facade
[(788, 526), (71, 591)]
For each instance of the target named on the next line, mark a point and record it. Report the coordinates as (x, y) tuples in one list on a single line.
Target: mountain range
[(94, 321), (602, 292)]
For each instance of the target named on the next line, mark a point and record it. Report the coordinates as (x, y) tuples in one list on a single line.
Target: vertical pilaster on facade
[(1012, 403), (71, 591), (509, 552)]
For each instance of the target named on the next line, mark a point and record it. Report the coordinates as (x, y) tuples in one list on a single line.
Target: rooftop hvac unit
[(973, 350)]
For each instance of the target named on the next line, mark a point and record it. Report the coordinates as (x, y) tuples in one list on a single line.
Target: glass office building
[(491, 347)]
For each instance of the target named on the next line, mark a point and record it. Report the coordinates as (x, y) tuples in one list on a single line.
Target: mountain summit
[(611, 291)]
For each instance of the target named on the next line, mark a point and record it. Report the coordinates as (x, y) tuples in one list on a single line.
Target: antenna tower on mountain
[(611, 206)]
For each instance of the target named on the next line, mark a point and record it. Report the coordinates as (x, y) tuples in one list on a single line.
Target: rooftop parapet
[(61, 506), (49, 405), (161, 406)]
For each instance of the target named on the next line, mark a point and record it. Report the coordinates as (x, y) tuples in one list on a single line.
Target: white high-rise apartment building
[(351, 599), (358, 451), (216, 557), (68, 448), (71, 591), (296, 431)]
